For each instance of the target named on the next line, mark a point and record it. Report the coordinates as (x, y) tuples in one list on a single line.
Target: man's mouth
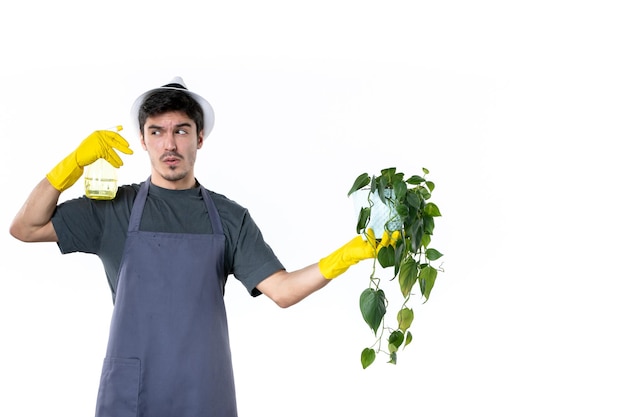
[(171, 159)]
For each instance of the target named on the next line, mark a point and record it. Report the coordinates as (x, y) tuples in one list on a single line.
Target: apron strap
[(216, 222), (137, 211)]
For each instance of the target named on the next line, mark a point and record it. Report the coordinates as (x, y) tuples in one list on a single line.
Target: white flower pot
[(381, 214)]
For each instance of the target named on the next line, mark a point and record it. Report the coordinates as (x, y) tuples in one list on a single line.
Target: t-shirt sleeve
[(77, 226), (253, 259)]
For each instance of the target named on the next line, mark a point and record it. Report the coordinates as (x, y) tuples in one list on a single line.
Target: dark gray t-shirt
[(100, 227)]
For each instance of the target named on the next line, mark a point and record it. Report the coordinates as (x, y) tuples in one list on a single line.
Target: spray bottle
[(101, 178)]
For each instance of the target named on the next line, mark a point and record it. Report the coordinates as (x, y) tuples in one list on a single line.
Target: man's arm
[(32, 223), (288, 288)]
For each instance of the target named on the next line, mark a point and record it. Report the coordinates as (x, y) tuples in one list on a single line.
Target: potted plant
[(404, 203)]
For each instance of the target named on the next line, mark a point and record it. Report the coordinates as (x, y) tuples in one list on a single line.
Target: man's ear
[(200, 139), (143, 142)]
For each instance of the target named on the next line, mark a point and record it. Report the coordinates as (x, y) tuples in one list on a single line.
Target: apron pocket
[(118, 394)]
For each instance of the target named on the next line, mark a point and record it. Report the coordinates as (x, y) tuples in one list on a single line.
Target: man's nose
[(170, 142)]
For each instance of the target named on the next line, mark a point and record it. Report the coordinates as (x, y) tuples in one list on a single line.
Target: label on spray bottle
[(100, 180)]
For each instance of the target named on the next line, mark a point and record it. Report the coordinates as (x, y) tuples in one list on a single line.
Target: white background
[(517, 109)]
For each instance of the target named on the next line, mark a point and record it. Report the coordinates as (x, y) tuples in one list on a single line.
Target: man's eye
[(181, 131), (155, 132)]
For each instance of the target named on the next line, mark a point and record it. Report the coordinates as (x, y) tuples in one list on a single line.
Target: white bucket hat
[(177, 83)]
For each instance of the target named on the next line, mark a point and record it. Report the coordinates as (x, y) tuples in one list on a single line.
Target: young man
[(167, 246)]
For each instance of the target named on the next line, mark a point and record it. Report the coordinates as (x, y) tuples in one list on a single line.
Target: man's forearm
[(289, 288)]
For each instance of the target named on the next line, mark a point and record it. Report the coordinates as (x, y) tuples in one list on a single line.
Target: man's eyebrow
[(185, 124)]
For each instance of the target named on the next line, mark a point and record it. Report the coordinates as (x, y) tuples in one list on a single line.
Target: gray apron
[(168, 353)]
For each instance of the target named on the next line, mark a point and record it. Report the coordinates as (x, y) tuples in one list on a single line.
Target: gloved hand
[(98, 145), (354, 251)]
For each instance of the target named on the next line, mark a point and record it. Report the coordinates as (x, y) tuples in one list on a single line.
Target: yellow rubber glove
[(98, 145), (355, 251)]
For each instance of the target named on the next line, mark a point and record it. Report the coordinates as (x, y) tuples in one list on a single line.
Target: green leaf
[(425, 240), (415, 180), (400, 246), (408, 339), (415, 233), (395, 340), (405, 318), (388, 173), (386, 256), (402, 210), (398, 176), (399, 189), (414, 200), (408, 276), (364, 217), (381, 186), (427, 277), (393, 357), (429, 225), (424, 192), (430, 185), (373, 307), (425, 171), (432, 210), (433, 254), (367, 357), (361, 181)]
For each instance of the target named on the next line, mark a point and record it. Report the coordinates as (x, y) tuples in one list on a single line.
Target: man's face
[(172, 142)]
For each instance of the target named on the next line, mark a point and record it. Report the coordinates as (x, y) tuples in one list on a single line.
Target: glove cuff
[(343, 258), (333, 265), (65, 173), (329, 270)]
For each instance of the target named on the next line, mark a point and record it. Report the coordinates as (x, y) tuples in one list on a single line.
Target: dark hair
[(166, 100)]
